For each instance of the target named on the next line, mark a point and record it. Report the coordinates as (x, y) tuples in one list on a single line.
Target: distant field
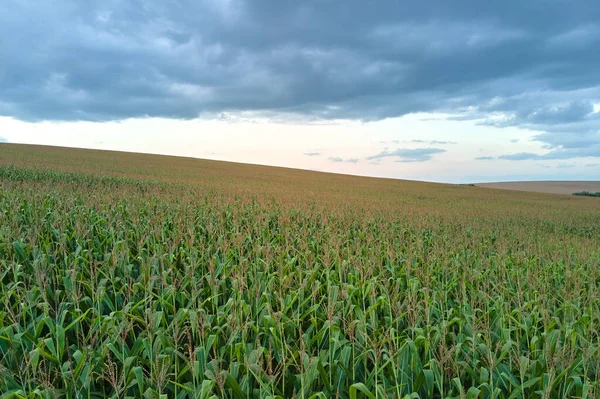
[(551, 187), (129, 275)]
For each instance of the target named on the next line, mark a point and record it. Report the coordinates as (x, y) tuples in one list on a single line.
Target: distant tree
[(587, 194)]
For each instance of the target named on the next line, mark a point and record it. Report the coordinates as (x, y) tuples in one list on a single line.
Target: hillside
[(130, 275), (551, 187)]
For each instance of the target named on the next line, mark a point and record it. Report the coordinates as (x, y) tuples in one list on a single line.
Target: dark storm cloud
[(513, 63), (409, 154)]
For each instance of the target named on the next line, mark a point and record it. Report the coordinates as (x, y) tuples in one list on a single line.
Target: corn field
[(133, 276)]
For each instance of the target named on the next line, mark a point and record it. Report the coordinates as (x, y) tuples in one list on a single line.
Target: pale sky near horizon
[(476, 92)]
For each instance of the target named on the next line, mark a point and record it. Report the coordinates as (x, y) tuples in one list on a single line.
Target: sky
[(459, 92)]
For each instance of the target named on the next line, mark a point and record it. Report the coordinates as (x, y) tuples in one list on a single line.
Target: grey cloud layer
[(513, 63)]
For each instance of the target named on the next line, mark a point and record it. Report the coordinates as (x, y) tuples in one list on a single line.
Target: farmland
[(129, 275), (552, 187)]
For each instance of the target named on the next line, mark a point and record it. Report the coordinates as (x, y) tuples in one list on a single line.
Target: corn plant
[(266, 283)]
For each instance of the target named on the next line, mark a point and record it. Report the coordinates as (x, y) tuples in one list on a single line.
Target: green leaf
[(232, 384), (359, 386), (139, 376), (473, 393)]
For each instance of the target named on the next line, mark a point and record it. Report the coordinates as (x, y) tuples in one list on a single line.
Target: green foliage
[(587, 194), (115, 287)]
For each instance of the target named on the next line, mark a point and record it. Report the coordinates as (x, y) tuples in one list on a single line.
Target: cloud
[(569, 127), (592, 165), (581, 36), (459, 36), (409, 154), (338, 160), (521, 156), (484, 158), (565, 165), (433, 142), (312, 154), (548, 115), (592, 150), (419, 141), (501, 64)]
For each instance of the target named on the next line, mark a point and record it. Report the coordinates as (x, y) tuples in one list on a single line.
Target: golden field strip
[(130, 275)]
